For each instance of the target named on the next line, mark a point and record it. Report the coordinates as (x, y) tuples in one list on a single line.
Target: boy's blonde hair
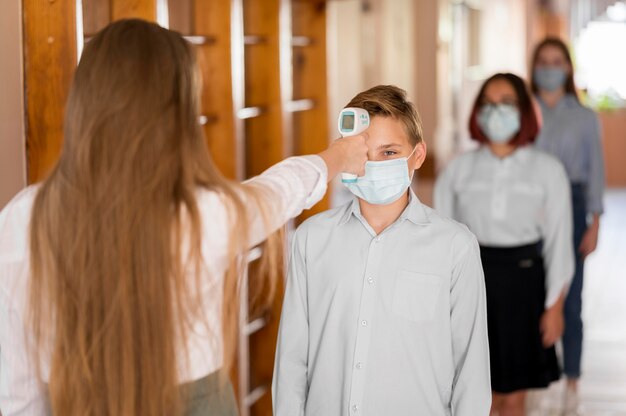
[(391, 101)]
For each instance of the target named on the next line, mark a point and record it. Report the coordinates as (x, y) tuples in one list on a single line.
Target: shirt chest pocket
[(527, 189), (416, 296)]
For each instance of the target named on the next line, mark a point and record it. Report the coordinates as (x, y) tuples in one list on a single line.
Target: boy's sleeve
[(471, 389), (289, 386)]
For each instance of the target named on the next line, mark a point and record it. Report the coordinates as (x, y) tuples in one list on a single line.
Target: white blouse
[(513, 201), (293, 185)]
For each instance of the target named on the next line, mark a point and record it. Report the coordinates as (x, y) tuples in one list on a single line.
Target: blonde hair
[(109, 299), (391, 101)]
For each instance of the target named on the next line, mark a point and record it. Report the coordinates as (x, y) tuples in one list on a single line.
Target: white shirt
[(388, 324), (293, 185), (517, 200)]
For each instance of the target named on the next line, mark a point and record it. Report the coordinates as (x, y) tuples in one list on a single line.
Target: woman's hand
[(348, 154), (552, 324), (590, 239)]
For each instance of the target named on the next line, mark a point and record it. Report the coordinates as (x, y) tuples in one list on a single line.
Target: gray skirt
[(208, 397)]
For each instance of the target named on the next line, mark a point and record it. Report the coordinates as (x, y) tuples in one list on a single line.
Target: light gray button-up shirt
[(571, 132), (388, 324)]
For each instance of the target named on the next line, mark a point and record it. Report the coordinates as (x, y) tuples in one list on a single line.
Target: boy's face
[(388, 139)]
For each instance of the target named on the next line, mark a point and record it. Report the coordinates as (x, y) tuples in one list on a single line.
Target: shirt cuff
[(595, 208)]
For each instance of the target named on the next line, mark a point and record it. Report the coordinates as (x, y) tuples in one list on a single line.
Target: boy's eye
[(390, 153)]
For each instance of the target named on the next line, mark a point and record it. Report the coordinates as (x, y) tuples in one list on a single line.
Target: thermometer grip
[(352, 121)]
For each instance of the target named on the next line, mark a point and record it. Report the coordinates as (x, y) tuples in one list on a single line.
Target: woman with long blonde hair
[(119, 273)]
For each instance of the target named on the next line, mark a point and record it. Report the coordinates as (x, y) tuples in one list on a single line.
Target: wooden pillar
[(212, 22), (309, 103), (50, 50), (263, 132), (142, 9)]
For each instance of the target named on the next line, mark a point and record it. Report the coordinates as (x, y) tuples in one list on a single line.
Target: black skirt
[(515, 283)]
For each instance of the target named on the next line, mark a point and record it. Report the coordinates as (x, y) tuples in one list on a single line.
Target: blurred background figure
[(276, 74), (515, 199), (571, 132)]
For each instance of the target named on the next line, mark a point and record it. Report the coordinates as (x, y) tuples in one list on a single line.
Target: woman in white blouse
[(516, 200), (118, 274)]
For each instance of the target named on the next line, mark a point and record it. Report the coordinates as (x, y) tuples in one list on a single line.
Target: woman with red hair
[(515, 199)]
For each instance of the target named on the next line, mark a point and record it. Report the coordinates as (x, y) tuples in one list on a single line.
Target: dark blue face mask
[(549, 78)]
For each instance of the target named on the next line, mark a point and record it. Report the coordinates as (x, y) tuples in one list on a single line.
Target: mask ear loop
[(407, 162)]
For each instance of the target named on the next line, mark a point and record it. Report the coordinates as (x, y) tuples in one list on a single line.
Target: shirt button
[(359, 366), (378, 239), (355, 408), (370, 280), (364, 323)]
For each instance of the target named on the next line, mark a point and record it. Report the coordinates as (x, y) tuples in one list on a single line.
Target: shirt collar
[(570, 101), (414, 211), (519, 155), (567, 101)]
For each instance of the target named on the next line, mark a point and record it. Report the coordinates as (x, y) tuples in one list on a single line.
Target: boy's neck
[(380, 217)]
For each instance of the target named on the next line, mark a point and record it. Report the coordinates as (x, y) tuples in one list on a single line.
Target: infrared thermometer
[(352, 121)]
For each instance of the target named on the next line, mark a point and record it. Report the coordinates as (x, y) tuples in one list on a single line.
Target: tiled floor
[(603, 385)]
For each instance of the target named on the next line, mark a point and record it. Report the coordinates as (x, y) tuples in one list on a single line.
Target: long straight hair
[(115, 230)]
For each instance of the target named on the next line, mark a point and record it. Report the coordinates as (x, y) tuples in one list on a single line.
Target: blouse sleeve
[(596, 180), (558, 250), (287, 188), (21, 393)]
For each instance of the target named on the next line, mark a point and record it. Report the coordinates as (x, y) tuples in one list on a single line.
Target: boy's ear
[(420, 155)]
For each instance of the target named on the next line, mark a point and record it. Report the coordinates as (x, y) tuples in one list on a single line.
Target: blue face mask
[(499, 122), (549, 79), (384, 182)]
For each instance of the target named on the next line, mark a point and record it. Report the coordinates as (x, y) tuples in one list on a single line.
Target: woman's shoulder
[(214, 208), (23, 198), (459, 169), (14, 224), (545, 165), (466, 158), (541, 156), (581, 109)]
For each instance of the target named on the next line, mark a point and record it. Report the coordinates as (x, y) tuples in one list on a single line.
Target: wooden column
[(96, 15), (264, 135), (212, 22), (142, 9), (49, 62), (310, 93), (258, 111)]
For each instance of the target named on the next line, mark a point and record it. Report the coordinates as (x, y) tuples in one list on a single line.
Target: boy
[(384, 310)]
